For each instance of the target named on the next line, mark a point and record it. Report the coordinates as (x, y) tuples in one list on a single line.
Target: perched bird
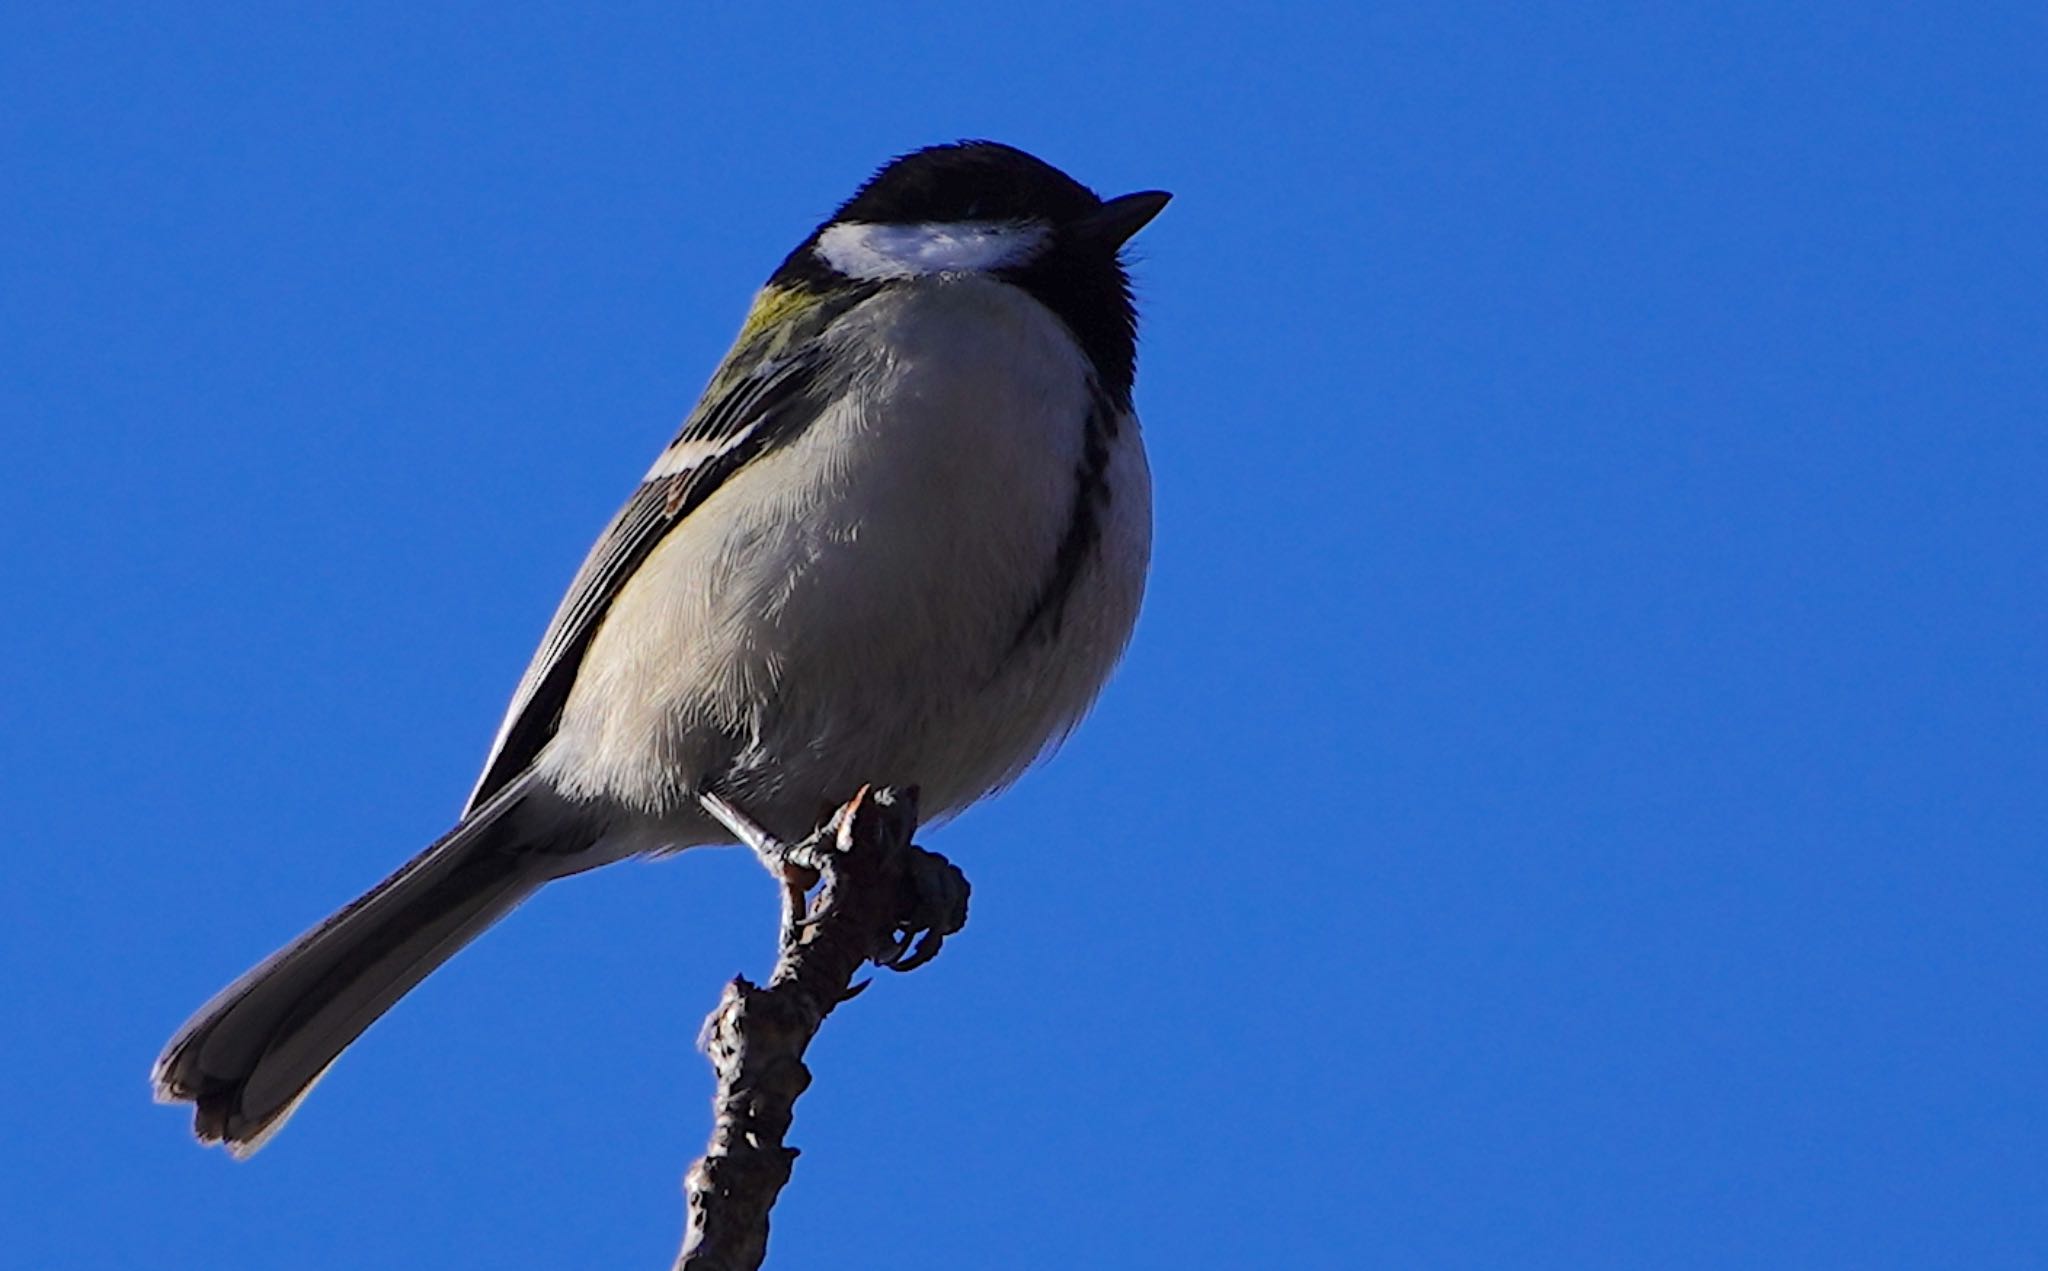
[(901, 540)]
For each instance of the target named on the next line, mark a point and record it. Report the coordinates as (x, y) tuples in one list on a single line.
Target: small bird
[(901, 540)]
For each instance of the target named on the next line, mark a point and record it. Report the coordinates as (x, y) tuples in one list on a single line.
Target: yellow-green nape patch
[(774, 306)]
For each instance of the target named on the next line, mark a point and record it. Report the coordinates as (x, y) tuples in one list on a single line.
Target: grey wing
[(754, 404)]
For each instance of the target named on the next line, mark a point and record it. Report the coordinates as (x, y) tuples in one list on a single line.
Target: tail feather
[(253, 1052)]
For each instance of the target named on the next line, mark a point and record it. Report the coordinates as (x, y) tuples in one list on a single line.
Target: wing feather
[(770, 388)]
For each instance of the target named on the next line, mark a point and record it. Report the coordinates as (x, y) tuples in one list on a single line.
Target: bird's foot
[(933, 906), (922, 896), (869, 835)]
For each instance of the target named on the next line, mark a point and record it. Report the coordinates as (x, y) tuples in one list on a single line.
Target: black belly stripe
[(1084, 525)]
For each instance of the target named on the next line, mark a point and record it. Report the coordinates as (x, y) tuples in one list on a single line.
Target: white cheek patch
[(859, 250)]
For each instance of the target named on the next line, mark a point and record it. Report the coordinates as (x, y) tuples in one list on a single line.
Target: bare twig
[(884, 900)]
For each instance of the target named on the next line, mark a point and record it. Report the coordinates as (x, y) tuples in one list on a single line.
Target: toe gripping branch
[(881, 899)]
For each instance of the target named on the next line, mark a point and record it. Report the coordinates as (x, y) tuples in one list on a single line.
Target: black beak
[(1108, 226)]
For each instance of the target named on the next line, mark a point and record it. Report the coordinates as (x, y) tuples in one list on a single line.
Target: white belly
[(846, 609)]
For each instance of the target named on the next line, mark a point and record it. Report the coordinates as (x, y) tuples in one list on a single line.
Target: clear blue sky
[(1576, 798)]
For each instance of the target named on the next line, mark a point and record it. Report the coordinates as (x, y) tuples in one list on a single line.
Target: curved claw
[(910, 958), (935, 907), (854, 991)]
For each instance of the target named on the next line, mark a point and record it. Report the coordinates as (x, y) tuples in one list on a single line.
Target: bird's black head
[(982, 207)]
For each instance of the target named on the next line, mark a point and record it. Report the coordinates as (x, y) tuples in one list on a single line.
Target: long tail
[(253, 1052)]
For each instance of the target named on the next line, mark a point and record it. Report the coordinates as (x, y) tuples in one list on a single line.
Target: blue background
[(1575, 798)]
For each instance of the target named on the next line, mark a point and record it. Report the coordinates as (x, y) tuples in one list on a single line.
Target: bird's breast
[(846, 608)]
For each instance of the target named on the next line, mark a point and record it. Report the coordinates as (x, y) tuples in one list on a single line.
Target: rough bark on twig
[(882, 900)]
